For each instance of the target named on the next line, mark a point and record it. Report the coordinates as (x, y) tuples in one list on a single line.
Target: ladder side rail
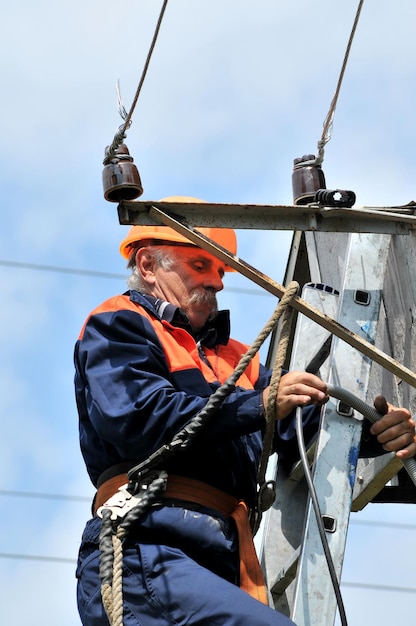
[(284, 522), (338, 445), (397, 337)]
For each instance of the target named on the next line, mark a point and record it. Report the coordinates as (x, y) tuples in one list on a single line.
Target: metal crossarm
[(388, 220)]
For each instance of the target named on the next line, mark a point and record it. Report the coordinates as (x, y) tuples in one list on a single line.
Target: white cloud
[(234, 92)]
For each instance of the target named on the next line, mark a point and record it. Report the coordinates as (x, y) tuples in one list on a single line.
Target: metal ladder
[(292, 555), (336, 252)]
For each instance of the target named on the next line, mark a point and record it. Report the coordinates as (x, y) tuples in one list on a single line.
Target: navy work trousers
[(180, 567)]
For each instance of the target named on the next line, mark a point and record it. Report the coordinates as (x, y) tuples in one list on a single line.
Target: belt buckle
[(120, 503)]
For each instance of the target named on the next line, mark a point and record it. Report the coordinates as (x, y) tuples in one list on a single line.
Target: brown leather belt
[(197, 492)]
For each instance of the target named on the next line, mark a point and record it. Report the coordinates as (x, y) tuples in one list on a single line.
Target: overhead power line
[(44, 496), (108, 275), (379, 587), (121, 133), (373, 523), (34, 557), (61, 270), (66, 560), (65, 497)]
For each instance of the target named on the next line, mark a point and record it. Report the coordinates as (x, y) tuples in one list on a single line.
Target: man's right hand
[(297, 389)]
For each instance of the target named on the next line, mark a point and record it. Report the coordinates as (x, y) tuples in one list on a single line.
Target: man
[(146, 364)]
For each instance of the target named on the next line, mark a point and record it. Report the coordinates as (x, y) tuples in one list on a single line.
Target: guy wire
[(327, 129), (121, 132)]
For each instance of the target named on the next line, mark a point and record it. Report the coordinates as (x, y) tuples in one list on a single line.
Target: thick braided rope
[(118, 578), (110, 543), (266, 490), (107, 600), (111, 547), (112, 594), (280, 358), (183, 439), (106, 563)]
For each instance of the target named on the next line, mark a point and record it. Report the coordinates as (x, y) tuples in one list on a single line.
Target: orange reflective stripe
[(224, 360), (181, 350), (116, 303)]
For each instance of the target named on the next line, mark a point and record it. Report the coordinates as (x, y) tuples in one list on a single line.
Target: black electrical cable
[(321, 528)]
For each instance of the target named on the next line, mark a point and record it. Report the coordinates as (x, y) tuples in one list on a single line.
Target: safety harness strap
[(197, 492)]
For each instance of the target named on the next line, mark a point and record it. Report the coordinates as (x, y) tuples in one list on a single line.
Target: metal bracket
[(121, 502)]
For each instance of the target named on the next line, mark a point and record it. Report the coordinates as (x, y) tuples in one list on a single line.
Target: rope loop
[(112, 535), (284, 307)]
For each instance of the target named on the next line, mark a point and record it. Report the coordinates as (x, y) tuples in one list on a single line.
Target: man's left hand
[(395, 430)]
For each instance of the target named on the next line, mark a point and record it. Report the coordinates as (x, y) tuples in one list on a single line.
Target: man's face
[(190, 283)]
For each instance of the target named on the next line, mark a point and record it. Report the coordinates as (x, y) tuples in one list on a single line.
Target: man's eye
[(198, 266)]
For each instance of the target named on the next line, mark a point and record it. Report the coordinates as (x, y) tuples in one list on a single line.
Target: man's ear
[(145, 265)]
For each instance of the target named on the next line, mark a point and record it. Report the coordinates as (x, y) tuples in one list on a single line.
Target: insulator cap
[(121, 179), (307, 178)]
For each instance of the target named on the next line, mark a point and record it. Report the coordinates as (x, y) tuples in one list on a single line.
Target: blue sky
[(235, 91)]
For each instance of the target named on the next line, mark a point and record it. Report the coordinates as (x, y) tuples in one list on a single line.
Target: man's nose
[(215, 281)]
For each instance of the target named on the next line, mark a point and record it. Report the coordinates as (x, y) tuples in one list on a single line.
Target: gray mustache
[(202, 296)]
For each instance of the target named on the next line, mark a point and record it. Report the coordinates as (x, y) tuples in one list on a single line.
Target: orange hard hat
[(224, 237)]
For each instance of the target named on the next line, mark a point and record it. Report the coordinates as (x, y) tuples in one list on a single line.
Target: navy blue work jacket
[(130, 403)]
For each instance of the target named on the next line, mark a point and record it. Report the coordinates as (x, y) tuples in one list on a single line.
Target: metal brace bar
[(274, 288)]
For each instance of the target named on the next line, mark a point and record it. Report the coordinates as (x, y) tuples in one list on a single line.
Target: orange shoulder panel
[(116, 303), (224, 360), (181, 350)]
